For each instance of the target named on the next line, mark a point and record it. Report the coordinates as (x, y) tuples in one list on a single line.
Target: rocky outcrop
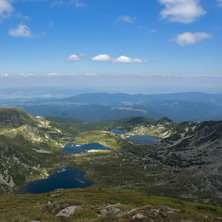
[(192, 157), (68, 211), (195, 145), (11, 117)]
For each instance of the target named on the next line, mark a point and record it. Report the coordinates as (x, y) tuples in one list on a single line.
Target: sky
[(118, 43)]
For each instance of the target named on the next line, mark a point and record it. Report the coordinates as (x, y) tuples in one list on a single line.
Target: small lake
[(145, 139), (75, 148), (65, 178), (116, 131)]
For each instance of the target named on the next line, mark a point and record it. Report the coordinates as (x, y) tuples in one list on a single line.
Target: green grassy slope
[(44, 207)]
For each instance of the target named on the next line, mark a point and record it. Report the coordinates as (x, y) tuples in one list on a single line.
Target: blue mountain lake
[(65, 178), (145, 139), (75, 148), (116, 131)]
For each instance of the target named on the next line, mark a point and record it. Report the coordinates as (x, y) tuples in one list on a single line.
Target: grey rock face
[(192, 157)]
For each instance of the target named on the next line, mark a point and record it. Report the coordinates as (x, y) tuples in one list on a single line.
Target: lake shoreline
[(64, 178)]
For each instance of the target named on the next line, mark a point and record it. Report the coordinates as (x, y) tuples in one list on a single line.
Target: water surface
[(145, 139), (65, 178), (117, 131), (75, 148)]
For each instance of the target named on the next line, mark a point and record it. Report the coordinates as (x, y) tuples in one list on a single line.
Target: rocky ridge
[(27, 148), (194, 152)]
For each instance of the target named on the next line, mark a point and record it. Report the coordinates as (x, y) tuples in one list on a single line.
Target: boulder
[(139, 216), (68, 211), (116, 210), (103, 212)]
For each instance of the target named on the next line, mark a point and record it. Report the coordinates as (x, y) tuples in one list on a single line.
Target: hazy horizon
[(73, 84), (64, 92)]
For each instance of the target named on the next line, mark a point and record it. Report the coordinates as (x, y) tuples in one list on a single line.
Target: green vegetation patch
[(44, 207)]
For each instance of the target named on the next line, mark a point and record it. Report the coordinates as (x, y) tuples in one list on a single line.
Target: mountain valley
[(185, 164)]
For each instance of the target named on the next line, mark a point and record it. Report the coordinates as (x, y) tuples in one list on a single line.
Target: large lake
[(75, 148), (65, 178), (145, 139)]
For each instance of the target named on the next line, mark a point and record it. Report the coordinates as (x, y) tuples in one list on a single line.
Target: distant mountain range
[(94, 107)]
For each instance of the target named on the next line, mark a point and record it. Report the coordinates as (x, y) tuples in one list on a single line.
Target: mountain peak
[(14, 117), (164, 120)]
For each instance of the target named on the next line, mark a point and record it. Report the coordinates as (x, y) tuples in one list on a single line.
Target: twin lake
[(70, 177)]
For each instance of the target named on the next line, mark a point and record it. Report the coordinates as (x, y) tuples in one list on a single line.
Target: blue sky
[(166, 38)]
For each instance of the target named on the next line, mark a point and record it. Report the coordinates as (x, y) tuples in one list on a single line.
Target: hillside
[(27, 149), (102, 204), (10, 117), (134, 125), (186, 164), (193, 156)]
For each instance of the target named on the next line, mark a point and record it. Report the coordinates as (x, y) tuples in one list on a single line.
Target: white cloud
[(184, 11), (6, 8), (120, 59), (125, 59), (128, 19), (153, 30), (21, 31), (57, 3), (77, 3), (75, 57), (20, 16), (189, 38), (219, 3), (51, 24), (101, 58), (4, 75)]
